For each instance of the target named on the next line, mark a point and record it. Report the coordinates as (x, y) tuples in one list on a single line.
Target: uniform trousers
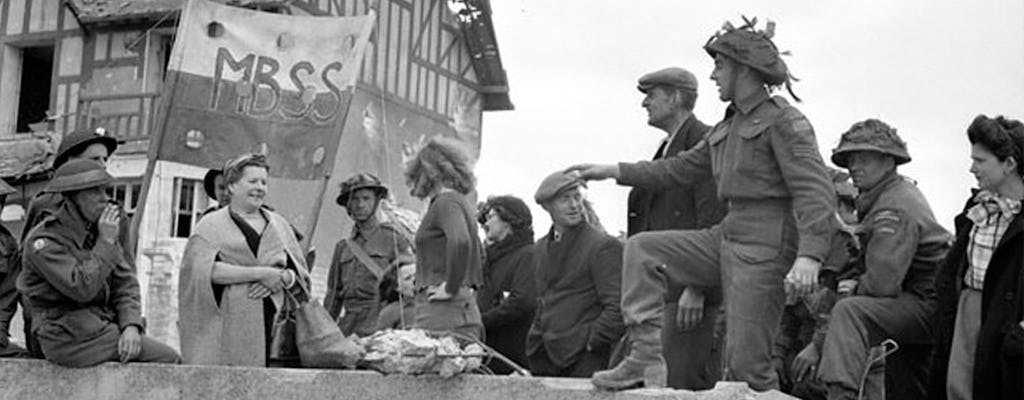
[(748, 255), (85, 349), (859, 323)]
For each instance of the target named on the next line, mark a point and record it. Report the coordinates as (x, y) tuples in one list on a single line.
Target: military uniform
[(765, 160), (903, 245), (81, 290), (352, 286), (10, 267)]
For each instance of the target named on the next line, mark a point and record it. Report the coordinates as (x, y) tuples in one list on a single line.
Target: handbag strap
[(365, 259)]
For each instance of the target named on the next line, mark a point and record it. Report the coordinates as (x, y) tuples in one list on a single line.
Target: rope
[(867, 368)]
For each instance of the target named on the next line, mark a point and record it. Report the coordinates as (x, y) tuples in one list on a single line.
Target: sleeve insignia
[(886, 216), (38, 244), (802, 125)]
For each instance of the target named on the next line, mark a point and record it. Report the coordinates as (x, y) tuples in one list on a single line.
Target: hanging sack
[(319, 340), (283, 349)]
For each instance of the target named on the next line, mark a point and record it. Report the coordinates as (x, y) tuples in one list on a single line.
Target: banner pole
[(157, 135)]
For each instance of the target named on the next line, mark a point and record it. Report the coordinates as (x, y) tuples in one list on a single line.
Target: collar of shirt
[(989, 203), (749, 103), (556, 236), (365, 232), (866, 199), (666, 142)]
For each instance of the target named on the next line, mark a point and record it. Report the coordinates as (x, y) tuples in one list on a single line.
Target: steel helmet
[(870, 135), (79, 174), (362, 180)]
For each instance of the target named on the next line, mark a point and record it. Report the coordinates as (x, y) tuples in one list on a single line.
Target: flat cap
[(556, 183), (671, 76)]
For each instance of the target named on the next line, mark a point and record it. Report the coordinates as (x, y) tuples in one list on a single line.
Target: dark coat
[(999, 355), (579, 281), (693, 206), (508, 298)]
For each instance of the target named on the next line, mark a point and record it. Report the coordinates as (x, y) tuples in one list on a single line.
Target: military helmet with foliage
[(362, 180), (870, 135)]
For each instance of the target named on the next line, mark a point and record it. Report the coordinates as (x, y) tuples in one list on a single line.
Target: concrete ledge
[(33, 379)]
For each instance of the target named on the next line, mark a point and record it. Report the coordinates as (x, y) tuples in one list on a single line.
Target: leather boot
[(644, 365)]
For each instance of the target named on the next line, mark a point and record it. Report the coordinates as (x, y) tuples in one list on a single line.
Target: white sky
[(925, 67)]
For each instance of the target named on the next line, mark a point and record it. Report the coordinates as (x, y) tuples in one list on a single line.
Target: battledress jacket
[(230, 331)]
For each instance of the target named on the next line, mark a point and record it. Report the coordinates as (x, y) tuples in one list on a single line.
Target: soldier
[(902, 246), (10, 267), (216, 190), (83, 293), (362, 261), (764, 158), (75, 145), (691, 351)]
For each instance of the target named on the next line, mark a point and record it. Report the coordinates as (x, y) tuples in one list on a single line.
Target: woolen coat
[(693, 206), (579, 286), (999, 354), (508, 297)]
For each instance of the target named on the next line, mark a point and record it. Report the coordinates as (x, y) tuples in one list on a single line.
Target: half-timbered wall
[(25, 23)]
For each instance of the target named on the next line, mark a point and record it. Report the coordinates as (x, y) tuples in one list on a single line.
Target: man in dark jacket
[(508, 297), (83, 294), (903, 244), (691, 344), (579, 273)]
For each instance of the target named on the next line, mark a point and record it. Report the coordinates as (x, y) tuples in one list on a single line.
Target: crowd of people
[(747, 258)]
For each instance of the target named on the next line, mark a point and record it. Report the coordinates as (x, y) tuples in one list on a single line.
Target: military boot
[(643, 366)]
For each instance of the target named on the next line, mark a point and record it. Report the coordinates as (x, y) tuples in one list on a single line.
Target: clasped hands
[(272, 280)]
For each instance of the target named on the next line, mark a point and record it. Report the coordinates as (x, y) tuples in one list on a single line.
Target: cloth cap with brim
[(870, 135), (79, 174), (555, 184), (753, 49), (362, 180), (672, 76), (77, 141), (210, 183), (6, 189)]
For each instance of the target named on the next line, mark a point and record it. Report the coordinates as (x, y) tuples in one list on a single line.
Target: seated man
[(579, 275), (902, 247), (83, 294)]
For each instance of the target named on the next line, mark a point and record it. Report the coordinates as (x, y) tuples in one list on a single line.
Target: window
[(27, 80), (189, 201), (127, 194)]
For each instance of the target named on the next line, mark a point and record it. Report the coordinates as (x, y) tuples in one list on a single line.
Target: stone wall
[(31, 379)]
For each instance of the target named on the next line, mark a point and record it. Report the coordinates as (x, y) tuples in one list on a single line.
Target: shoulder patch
[(38, 244)]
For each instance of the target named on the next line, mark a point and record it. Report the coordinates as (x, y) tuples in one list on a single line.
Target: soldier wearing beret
[(688, 337), (83, 294), (363, 260), (764, 158), (902, 245), (579, 273)]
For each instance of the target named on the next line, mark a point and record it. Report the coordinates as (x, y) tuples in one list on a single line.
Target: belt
[(759, 204), (423, 289)]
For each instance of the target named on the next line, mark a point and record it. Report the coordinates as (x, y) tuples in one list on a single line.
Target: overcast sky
[(925, 67)]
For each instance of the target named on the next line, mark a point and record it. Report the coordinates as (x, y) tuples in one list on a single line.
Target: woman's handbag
[(319, 340)]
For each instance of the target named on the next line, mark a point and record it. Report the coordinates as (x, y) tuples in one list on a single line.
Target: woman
[(508, 298), (236, 266), (448, 252), (982, 278)]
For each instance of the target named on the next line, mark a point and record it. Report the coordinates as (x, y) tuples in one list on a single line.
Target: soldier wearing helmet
[(81, 144), (83, 294), (902, 246), (765, 161), (362, 261)]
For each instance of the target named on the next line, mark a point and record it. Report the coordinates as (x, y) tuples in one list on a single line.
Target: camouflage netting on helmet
[(870, 135), (755, 49)]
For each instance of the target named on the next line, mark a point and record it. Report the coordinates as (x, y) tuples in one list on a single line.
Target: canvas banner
[(241, 81)]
